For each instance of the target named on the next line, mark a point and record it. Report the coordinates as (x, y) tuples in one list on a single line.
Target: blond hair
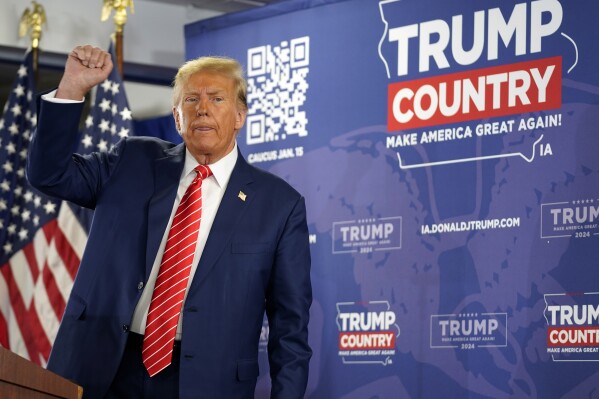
[(219, 64)]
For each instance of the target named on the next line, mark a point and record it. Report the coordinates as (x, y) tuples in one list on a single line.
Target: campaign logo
[(468, 330), (367, 235), (572, 326), (368, 332), (576, 219), (437, 45), (470, 73)]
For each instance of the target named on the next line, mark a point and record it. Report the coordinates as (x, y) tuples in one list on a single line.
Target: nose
[(202, 108)]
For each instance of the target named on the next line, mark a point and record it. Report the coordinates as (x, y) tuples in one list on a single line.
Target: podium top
[(20, 378)]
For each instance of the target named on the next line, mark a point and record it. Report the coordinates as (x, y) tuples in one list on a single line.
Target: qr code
[(277, 85)]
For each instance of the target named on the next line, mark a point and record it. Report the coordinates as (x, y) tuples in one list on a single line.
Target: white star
[(114, 109), (29, 95), (23, 153), (5, 185), (33, 120), (87, 141), (2, 204), (104, 125), (115, 88), (123, 132), (7, 248), (15, 210), (126, 114), (10, 148), (27, 134), (1, 124), (22, 72), (105, 105), (18, 191), (89, 121), (21, 172), (23, 234), (113, 129), (13, 129), (37, 201), (16, 110), (28, 196), (7, 167), (103, 145), (19, 90), (26, 215), (106, 84), (12, 229), (36, 220), (50, 207)]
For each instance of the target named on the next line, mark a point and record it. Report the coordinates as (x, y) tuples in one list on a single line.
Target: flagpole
[(32, 21), (120, 19)]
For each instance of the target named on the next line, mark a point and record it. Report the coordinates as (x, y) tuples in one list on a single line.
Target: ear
[(240, 118), (177, 120)]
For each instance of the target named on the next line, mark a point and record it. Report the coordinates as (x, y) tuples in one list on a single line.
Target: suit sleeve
[(52, 167), (288, 301)]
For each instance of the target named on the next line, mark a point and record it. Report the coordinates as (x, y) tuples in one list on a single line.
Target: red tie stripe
[(173, 275)]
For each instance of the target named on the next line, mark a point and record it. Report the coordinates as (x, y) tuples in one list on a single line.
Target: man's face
[(208, 116)]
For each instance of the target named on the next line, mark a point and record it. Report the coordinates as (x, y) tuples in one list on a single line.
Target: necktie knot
[(203, 171)]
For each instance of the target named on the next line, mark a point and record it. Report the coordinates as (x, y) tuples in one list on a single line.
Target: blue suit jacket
[(256, 259)]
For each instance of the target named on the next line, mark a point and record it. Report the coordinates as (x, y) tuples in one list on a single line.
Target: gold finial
[(120, 12), (33, 20)]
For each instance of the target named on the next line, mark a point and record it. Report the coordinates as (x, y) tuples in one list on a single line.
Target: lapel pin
[(242, 196)]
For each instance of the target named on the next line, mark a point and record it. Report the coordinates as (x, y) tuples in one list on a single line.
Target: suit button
[(140, 285), (125, 327)]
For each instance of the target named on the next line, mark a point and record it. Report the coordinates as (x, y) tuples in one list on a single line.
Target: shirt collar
[(221, 169)]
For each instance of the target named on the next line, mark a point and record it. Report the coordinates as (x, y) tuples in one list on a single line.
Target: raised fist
[(86, 67)]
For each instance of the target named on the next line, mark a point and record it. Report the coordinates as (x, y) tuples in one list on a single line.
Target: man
[(250, 253)]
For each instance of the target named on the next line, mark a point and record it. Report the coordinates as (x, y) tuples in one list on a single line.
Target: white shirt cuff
[(51, 96)]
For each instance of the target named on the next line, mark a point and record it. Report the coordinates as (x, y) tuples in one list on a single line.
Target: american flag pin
[(242, 196)]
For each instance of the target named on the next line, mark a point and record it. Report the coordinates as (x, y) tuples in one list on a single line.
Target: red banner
[(482, 93)]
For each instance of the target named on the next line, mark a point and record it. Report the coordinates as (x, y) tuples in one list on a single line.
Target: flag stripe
[(21, 276), (19, 311), (55, 297), (58, 268), (73, 233), (46, 314), (3, 330), (31, 261)]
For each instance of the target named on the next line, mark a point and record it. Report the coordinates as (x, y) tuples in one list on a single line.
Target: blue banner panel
[(447, 153)]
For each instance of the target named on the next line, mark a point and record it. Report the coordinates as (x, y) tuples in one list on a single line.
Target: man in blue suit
[(251, 254)]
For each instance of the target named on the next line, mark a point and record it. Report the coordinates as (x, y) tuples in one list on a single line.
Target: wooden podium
[(21, 379)]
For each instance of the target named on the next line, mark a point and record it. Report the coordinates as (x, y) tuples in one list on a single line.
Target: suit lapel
[(167, 173), (231, 208)]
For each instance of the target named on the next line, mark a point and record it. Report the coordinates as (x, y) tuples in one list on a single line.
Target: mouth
[(202, 128)]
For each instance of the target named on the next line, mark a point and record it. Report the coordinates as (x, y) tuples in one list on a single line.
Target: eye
[(190, 99), (218, 99)]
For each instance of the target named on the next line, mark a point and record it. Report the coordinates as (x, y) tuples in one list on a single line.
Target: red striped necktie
[(171, 282)]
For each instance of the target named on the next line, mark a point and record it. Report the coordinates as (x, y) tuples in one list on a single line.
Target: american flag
[(41, 239)]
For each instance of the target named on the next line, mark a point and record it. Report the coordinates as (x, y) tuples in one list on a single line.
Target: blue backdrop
[(447, 153)]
